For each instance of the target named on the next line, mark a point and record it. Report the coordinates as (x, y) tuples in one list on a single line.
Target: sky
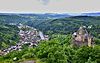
[(50, 6)]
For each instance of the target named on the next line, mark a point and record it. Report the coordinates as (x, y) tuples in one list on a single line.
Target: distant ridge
[(51, 15), (91, 14)]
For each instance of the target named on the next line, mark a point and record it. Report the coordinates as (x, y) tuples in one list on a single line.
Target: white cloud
[(44, 2), (46, 6)]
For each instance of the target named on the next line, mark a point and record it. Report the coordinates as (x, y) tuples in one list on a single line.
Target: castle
[(82, 37)]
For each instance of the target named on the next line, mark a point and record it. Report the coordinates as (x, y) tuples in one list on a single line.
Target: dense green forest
[(59, 48), (8, 35), (70, 25), (50, 26)]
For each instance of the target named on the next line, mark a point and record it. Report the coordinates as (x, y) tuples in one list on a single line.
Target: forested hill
[(24, 18), (59, 48), (71, 24), (8, 35), (49, 25)]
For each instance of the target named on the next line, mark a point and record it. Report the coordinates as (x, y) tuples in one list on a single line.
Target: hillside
[(24, 18), (8, 35), (50, 23), (71, 24)]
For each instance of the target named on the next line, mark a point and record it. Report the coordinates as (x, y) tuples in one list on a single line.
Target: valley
[(48, 38)]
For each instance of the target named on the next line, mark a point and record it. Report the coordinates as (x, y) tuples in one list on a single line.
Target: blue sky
[(50, 6)]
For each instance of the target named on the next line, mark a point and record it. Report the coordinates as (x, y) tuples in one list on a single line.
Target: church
[(82, 37)]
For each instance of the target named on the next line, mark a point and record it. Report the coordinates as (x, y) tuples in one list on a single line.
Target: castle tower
[(82, 31), (89, 41)]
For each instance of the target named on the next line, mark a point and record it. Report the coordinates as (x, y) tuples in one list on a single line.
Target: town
[(28, 35)]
